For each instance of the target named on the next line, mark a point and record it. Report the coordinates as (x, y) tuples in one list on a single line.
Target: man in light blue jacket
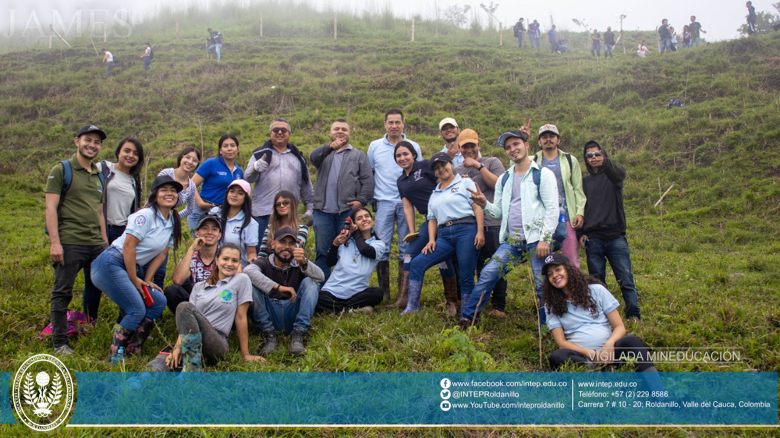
[(526, 202)]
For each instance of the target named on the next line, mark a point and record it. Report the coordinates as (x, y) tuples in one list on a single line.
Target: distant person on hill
[(275, 166), (553, 39), (751, 18), (108, 58), (642, 50), (674, 38), (595, 43), (214, 40), (147, 56), (449, 131), (686, 42), (603, 236), (344, 184), (76, 226), (609, 42), (665, 34), (519, 30), (534, 34), (694, 28)]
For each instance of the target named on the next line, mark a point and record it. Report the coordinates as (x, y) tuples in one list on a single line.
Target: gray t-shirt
[(555, 166), (331, 204), (515, 222), (120, 198), (496, 168), (220, 302)]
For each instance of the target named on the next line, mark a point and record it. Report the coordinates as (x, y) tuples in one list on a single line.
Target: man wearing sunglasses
[(275, 166), (603, 235)]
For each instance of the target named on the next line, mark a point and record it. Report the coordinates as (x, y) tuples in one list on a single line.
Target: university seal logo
[(42, 392)]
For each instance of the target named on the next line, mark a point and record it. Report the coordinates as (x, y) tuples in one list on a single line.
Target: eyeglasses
[(282, 130), (592, 154), (282, 204)]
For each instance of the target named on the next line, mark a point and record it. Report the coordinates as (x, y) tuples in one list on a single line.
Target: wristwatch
[(481, 166)]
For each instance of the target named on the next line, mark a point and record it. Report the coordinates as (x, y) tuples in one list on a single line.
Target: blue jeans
[(537, 41), (388, 215), (415, 248), (454, 240), (608, 50), (595, 47), (194, 217), (693, 41), (147, 62), (262, 224), (554, 46), (520, 39), (501, 264), (616, 251), (666, 45), (216, 48), (284, 315), (326, 227), (110, 276)]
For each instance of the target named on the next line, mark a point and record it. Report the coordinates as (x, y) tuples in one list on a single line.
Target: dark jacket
[(355, 181), (604, 215)]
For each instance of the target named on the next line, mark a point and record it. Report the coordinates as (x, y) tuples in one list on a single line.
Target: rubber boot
[(191, 351), (383, 277), (400, 277), (415, 287), (139, 337), (451, 295), (403, 291), (121, 339)]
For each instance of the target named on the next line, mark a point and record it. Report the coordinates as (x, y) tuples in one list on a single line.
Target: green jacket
[(572, 185)]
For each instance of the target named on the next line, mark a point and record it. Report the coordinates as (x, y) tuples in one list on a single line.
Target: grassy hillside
[(707, 270)]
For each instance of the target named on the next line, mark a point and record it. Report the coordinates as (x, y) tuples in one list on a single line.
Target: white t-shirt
[(148, 51), (119, 199), (109, 56)]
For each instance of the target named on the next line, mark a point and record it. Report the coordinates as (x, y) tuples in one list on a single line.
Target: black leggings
[(370, 297), (630, 346)]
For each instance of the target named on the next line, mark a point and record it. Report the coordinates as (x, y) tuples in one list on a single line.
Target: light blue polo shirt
[(216, 179), (352, 271), (582, 328), (452, 203), (381, 157), (153, 232), (233, 234)]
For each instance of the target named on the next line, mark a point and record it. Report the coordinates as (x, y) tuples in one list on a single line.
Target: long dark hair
[(152, 203), (135, 171), (577, 283), (407, 145), (275, 221), (186, 151), (246, 208), (214, 274), (354, 215), (222, 140)]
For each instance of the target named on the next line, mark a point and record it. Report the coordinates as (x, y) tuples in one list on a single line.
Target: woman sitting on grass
[(204, 322), (353, 253), (236, 221), (580, 311), (284, 214)]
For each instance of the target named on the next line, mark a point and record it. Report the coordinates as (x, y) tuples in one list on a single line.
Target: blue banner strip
[(425, 398), (6, 416)]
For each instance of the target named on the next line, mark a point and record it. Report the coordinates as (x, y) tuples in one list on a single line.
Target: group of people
[(247, 261), (670, 39)]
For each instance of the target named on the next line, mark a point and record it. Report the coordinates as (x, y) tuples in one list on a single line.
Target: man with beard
[(285, 292), (449, 131), (275, 166), (344, 184), (76, 226)]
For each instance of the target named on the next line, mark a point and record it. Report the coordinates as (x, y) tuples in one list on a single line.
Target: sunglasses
[(282, 130), (592, 154), (282, 204)]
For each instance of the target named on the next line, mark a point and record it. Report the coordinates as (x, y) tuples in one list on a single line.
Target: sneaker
[(63, 350), (366, 309), (296, 342), (269, 342), (497, 313)]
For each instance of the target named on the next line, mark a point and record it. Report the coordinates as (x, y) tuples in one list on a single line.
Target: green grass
[(708, 271)]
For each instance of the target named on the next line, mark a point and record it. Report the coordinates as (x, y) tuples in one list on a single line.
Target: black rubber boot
[(383, 276)]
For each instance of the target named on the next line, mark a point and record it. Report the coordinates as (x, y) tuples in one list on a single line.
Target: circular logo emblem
[(42, 393), (140, 221), (226, 295)]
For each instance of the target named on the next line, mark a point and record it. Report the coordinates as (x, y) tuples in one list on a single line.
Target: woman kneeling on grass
[(127, 267), (204, 321), (580, 311), (354, 254)]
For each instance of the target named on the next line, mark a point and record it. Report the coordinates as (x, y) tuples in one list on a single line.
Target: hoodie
[(604, 215)]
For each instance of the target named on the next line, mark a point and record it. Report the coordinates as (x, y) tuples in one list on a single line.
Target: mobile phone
[(167, 350), (148, 300)]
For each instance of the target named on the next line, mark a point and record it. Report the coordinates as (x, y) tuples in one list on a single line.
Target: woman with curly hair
[(580, 312)]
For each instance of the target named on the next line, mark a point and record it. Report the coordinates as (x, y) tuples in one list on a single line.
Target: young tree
[(456, 14)]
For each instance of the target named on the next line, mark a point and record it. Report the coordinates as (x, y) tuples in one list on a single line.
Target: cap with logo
[(448, 121), (554, 259), (468, 136), (440, 157), (549, 128), (510, 134), (90, 129), (209, 218), (165, 179)]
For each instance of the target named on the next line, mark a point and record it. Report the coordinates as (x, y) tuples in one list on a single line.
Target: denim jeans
[(536, 41), (194, 217), (326, 227), (216, 48), (147, 61), (599, 251), (501, 264), (262, 224), (388, 215), (414, 249), (76, 258), (666, 45), (109, 274), (284, 315), (456, 239), (595, 47), (492, 242), (520, 39), (109, 67), (553, 46), (608, 50), (693, 41)]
